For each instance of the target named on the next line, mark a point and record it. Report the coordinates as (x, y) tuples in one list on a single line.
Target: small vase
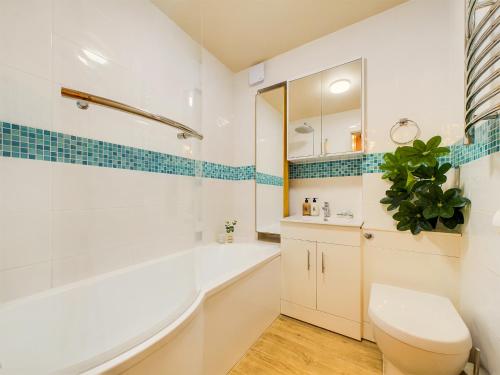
[(229, 238)]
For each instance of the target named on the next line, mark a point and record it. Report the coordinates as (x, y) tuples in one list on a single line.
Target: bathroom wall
[(414, 68), (480, 276), (85, 192), (411, 51), (218, 146)]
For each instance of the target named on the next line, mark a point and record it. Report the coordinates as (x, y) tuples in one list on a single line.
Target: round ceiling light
[(340, 86)]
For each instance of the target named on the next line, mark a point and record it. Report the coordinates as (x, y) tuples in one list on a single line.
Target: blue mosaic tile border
[(486, 142), (333, 168), (18, 141), (227, 172), (25, 142), (371, 162), (268, 179), (246, 172)]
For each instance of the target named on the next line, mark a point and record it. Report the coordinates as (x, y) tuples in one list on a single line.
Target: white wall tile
[(24, 281), (71, 269), (25, 36), (480, 281), (108, 28), (24, 213), (78, 68), (24, 185), (244, 210), (218, 117), (25, 99), (90, 220), (25, 237), (343, 193), (375, 214), (217, 203)]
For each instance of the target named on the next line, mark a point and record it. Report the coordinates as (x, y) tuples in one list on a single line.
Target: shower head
[(304, 129)]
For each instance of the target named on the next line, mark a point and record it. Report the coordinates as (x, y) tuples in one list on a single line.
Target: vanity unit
[(321, 272)]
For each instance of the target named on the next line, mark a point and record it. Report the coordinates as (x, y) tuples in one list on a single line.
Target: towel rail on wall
[(481, 40), (83, 98)]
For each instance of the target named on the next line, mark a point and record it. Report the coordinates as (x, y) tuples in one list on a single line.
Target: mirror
[(326, 113), (270, 122), (304, 117), (341, 108)]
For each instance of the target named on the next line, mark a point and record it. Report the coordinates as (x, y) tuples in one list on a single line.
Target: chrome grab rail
[(480, 60), (83, 98)]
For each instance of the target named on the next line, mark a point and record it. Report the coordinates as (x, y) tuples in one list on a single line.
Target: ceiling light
[(340, 86)]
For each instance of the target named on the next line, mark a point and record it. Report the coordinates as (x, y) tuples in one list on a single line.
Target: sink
[(333, 220)]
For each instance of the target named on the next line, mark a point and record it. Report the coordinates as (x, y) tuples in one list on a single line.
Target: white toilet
[(418, 333)]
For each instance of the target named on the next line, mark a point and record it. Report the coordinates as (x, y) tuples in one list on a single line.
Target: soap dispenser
[(315, 207), (306, 208)]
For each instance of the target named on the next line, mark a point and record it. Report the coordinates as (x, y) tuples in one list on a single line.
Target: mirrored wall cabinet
[(326, 114)]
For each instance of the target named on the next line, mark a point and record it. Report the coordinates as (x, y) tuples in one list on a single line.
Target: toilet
[(418, 333)]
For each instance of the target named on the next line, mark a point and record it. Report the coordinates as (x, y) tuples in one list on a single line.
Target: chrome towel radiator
[(481, 62)]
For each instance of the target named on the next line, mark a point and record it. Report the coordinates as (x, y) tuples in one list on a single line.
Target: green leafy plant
[(416, 191), (230, 226)]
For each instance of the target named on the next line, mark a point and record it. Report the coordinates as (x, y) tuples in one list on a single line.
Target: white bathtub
[(143, 316)]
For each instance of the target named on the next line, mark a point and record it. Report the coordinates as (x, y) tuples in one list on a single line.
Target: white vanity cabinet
[(298, 258), (321, 275)]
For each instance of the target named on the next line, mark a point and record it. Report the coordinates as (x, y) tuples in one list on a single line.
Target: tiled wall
[(480, 276), (86, 192), (486, 142), (335, 168), (267, 179), (24, 142)]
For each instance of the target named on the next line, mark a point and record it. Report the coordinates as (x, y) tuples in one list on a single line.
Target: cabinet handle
[(308, 260), (322, 262)]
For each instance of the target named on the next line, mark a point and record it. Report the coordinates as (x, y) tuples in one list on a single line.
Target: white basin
[(333, 220)]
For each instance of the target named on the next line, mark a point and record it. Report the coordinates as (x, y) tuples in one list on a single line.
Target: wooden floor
[(290, 346)]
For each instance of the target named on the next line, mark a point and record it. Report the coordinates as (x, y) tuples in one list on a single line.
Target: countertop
[(333, 220)]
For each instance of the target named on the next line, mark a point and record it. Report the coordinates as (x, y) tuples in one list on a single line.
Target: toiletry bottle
[(315, 207), (306, 208)]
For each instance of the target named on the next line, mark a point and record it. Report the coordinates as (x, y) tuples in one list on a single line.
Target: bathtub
[(193, 312)]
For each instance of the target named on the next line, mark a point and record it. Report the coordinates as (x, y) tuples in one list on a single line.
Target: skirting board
[(321, 319)]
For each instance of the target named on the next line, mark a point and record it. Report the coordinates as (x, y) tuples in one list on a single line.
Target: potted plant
[(230, 230), (416, 191)]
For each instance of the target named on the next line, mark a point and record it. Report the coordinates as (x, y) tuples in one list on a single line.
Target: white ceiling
[(241, 33)]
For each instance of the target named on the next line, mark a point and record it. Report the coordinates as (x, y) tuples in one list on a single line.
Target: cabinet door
[(298, 272), (339, 280)]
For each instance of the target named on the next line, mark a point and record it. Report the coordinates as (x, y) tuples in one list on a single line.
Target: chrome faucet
[(326, 210), (347, 213)]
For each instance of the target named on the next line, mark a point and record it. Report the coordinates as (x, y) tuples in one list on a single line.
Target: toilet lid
[(422, 320)]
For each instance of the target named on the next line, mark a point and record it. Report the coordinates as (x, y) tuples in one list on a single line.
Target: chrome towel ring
[(406, 123)]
